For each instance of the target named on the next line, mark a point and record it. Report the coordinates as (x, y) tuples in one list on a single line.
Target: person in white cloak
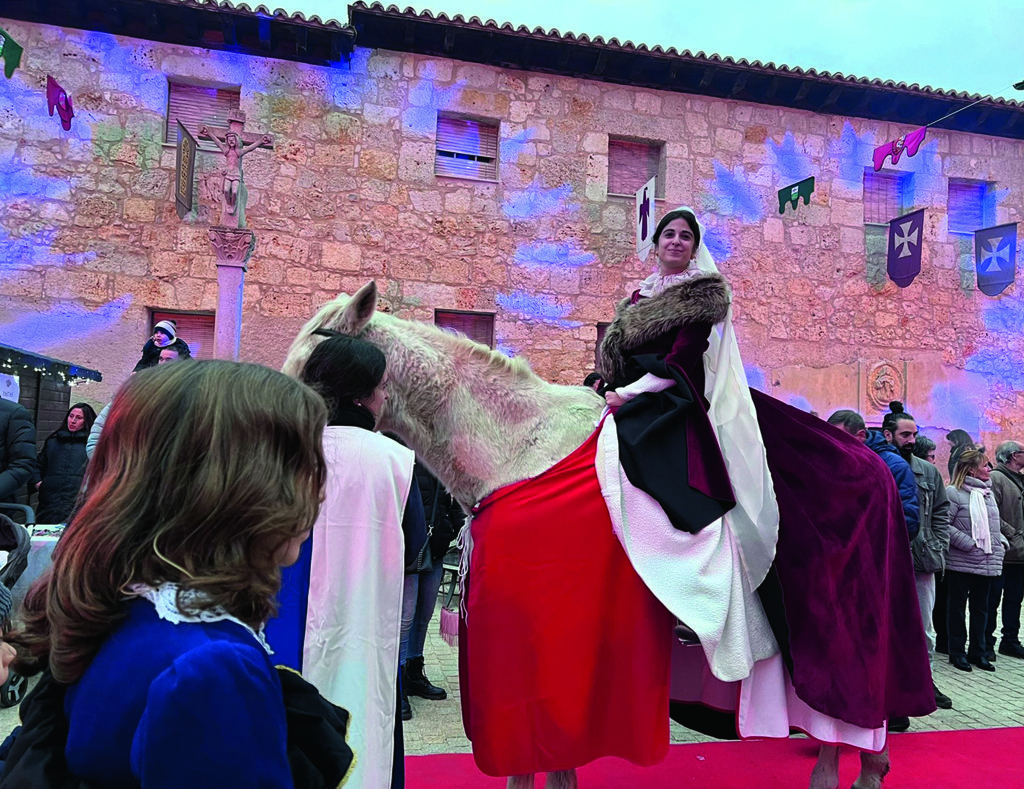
[(340, 617)]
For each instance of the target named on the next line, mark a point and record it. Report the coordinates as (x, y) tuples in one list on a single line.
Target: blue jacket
[(905, 479), (166, 706)]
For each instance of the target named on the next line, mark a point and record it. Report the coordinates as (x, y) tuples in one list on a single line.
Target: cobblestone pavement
[(981, 700)]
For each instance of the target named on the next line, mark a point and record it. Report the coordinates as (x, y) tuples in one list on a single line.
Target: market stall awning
[(15, 361)]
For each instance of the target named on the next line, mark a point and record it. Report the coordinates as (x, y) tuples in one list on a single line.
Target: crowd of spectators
[(966, 537)]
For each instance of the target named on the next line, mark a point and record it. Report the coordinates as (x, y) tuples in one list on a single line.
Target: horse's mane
[(457, 345), (476, 417)]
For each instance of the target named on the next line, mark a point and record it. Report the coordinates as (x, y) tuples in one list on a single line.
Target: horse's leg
[(873, 769), (563, 779), (524, 781), (826, 770)]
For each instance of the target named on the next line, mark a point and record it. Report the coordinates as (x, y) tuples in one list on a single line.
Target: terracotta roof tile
[(672, 52)]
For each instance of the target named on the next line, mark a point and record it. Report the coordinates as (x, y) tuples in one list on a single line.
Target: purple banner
[(905, 238)]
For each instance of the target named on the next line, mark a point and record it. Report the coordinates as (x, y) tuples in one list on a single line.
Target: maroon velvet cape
[(849, 625)]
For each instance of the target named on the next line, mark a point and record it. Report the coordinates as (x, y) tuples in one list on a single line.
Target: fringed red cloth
[(563, 652)]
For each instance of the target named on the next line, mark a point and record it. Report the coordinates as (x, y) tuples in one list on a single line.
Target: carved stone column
[(233, 247)]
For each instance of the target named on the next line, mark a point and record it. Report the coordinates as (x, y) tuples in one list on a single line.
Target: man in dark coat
[(853, 423), (444, 520), (905, 480), (931, 545), (17, 449)]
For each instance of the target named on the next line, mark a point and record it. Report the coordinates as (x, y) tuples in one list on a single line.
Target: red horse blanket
[(564, 652)]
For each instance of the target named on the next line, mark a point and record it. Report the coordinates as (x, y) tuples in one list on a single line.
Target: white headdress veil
[(755, 519)]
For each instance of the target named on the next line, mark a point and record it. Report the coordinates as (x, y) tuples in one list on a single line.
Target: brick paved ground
[(981, 700)]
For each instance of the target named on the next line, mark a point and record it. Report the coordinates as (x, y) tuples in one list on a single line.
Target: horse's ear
[(360, 308)]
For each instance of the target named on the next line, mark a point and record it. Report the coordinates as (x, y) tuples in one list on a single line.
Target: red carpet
[(976, 759)]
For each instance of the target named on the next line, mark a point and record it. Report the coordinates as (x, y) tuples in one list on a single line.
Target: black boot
[(415, 682), (406, 707)]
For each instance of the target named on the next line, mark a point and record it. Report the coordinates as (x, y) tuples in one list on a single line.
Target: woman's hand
[(613, 400), (7, 655)]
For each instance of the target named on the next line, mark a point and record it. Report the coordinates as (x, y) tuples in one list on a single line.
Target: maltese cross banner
[(995, 258), (905, 238)]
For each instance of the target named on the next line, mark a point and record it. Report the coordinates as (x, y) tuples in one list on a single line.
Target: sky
[(974, 46)]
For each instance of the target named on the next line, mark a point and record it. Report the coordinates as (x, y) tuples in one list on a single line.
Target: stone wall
[(349, 194)]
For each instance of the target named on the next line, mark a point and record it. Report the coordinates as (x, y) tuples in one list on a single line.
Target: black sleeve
[(455, 513), (150, 356), (20, 440), (414, 524)]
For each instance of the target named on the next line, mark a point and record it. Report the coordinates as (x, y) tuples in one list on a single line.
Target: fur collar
[(703, 299)]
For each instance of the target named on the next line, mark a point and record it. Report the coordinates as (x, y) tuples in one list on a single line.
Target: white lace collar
[(165, 599), (657, 282)]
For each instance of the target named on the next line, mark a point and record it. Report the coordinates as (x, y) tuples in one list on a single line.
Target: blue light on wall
[(734, 195), (756, 378), (790, 163), (537, 200), (718, 244), (1005, 314), (553, 254), (19, 180), (801, 402), (62, 323), (853, 152), (510, 149), (345, 83), (962, 407), (1005, 365), (536, 308), (425, 100)]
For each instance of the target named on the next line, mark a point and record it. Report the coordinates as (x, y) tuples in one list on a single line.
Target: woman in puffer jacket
[(62, 465), (975, 558)]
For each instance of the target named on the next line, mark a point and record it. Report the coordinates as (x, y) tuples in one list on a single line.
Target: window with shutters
[(194, 329), (478, 326), (198, 105), (885, 199), (466, 148), (970, 207), (632, 163), (883, 196)]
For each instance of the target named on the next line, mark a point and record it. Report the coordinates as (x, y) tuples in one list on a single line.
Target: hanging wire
[(1017, 86)]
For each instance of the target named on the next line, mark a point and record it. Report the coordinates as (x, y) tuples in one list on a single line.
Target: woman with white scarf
[(733, 508), (975, 558)]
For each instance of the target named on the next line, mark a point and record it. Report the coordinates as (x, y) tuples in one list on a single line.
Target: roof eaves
[(475, 23)]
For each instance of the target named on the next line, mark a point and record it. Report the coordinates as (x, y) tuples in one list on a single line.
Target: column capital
[(233, 245)]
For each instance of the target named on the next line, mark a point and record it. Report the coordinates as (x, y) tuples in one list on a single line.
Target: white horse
[(481, 421)]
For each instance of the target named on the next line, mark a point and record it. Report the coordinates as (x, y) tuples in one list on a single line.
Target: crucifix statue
[(234, 146)]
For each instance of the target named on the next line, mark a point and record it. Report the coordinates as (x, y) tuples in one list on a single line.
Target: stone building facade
[(93, 244)]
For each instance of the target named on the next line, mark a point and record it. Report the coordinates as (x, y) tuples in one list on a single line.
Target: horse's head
[(345, 314)]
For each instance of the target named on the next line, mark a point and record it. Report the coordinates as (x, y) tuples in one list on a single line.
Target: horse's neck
[(489, 429)]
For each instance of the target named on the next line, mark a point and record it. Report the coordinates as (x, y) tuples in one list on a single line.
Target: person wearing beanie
[(165, 335)]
